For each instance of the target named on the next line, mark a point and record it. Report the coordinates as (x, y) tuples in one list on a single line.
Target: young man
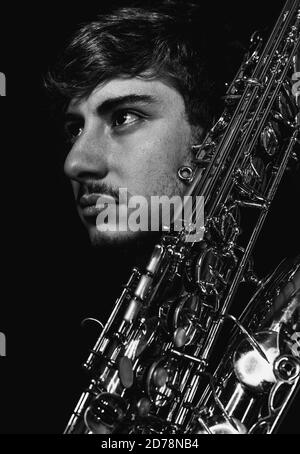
[(138, 91)]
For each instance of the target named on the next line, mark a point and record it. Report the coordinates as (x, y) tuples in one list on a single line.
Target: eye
[(124, 118), (73, 130)]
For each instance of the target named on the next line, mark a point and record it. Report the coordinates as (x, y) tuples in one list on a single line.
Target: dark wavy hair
[(169, 42)]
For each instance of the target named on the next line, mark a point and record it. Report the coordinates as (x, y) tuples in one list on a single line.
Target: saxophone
[(160, 365)]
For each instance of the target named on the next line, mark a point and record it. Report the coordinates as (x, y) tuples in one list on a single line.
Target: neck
[(110, 267)]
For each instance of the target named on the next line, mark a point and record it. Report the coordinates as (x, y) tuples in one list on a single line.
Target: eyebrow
[(110, 104)]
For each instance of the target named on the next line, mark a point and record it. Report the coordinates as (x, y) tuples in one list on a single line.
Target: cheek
[(152, 156), (162, 150), (154, 172), (164, 157)]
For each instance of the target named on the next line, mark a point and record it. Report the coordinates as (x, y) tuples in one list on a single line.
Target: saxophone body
[(259, 373), (182, 351)]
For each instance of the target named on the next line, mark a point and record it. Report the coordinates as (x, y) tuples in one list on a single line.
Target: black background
[(51, 279)]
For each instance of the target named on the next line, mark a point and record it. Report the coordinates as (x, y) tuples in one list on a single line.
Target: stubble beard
[(167, 186)]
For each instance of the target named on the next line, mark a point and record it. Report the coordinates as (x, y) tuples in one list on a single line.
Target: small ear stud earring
[(185, 174)]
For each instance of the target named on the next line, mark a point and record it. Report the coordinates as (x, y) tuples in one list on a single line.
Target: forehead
[(162, 93)]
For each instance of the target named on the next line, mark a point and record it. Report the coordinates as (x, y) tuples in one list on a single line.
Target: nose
[(87, 158)]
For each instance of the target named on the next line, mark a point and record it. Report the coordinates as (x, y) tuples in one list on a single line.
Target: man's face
[(129, 133)]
